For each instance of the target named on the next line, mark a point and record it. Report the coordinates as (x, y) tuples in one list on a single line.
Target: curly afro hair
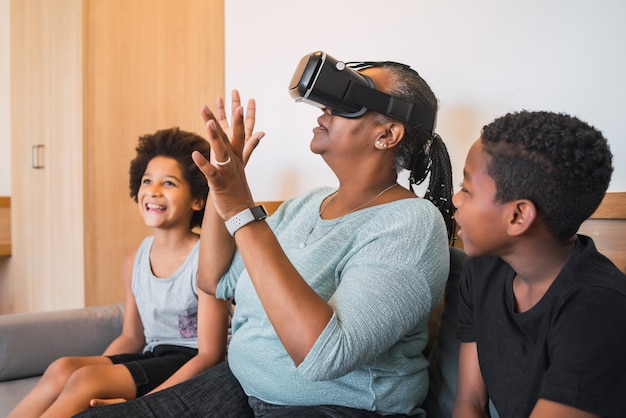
[(560, 163), (177, 144)]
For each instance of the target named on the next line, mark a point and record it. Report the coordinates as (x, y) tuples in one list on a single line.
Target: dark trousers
[(216, 393)]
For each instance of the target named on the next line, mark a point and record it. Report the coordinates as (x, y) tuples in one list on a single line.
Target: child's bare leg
[(51, 384), (98, 381)]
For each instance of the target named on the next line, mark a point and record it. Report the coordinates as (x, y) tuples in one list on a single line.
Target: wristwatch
[(244, 217)]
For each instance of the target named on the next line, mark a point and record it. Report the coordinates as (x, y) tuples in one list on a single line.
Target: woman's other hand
[(231, 147), (251, 138)]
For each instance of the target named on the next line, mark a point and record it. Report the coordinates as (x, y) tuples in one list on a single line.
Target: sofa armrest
[(31, 341)]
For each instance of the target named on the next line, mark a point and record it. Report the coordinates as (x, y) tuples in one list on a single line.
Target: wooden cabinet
[(88, 77)]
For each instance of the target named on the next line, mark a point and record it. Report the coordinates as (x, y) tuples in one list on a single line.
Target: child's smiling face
[(164, 195), (481, 220)]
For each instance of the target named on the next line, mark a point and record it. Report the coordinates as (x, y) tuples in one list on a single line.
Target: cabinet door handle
[(36, 157)]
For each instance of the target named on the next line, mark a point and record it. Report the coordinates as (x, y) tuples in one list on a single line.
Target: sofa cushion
[(444, 355), (12, 391), (31, 341)]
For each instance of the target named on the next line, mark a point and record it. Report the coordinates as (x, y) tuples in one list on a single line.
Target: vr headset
[(324, 82)]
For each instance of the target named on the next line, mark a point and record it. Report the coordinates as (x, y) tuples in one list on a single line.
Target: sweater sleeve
[(389, 282), (227, 284)]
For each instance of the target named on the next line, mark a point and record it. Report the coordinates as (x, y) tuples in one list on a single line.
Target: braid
[(439, 190), (422, 152)]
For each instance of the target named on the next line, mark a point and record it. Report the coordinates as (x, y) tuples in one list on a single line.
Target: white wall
[(5, 108), (483, 58)]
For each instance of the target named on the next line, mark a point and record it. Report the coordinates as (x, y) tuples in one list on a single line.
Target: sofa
[(444, 346), (30, 342)]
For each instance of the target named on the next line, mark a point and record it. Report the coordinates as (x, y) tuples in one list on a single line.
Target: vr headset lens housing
[(323, 81)]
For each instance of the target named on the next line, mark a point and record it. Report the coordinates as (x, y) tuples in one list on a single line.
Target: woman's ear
[(391, 136), (523, 216)]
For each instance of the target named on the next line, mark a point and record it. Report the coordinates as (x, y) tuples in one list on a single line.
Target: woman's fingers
[(231, 145), (220, 109), (250, 119), (203, 164), (235, 101), (207, 115), (219, 142), (220, 113), (238, 138), (251, 144)]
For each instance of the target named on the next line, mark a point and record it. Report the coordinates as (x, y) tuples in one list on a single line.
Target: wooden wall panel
[(46, 266), (150, 65), (88, 77), (607, 228), (5, 226)]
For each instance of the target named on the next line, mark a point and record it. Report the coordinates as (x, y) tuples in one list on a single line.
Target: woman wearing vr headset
[(333, 291)]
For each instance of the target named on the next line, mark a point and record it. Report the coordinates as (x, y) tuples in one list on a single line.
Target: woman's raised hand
[(231, 147), (251, 138)]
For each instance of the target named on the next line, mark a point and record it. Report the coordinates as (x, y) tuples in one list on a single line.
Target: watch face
[(259, 212)]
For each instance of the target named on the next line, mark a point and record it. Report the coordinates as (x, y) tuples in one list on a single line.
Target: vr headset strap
[(391, 106)]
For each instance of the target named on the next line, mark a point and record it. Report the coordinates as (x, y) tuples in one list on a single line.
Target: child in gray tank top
[(171, 331)]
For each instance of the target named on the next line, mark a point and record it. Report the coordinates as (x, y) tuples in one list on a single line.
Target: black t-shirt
[(569, 348)]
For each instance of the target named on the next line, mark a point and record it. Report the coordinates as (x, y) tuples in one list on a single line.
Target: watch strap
[(244, 217)]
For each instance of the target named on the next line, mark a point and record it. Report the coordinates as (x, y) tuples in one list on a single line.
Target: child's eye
[(169, 183), (463, 189), (145, 181)]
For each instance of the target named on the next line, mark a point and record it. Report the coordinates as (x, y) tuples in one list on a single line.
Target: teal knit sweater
[(382, 269)]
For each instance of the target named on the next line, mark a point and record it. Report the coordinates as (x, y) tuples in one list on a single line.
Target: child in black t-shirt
[(542, 314)]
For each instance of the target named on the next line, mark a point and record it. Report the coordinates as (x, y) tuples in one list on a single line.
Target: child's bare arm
[(471, 395), (131, 340), (549, 409)]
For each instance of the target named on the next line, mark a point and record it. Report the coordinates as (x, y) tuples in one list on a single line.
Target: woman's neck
[(351, 197)]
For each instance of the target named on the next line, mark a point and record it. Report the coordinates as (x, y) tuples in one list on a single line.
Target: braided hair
[(422, 152)]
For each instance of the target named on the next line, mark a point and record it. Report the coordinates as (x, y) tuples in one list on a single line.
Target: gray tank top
[(168, 306)]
